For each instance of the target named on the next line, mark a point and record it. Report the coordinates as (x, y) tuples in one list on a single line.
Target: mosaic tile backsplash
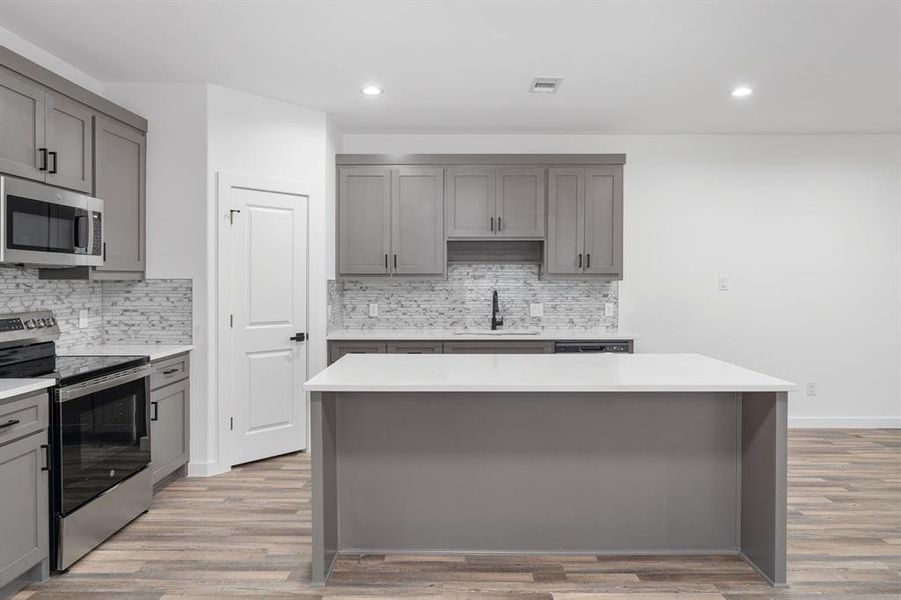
[(141, 312), (463, 300)]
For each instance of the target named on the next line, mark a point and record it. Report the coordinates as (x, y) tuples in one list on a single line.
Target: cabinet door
[(339, 349), (520, 203), (470, 202), (565, 221), (70, 141), (21, 127), (422, 347), (364, 220), (120, 170), (499, 347), (604, 221), (24, 508), (168, 429), (417, 221)]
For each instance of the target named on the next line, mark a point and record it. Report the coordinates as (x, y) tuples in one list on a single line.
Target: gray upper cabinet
[(470, 202), (119, 177), (43, 136), (585, 221), (417, 221), (21, 127), (565, 221), (364, 220), (520, 202), (69, 140)]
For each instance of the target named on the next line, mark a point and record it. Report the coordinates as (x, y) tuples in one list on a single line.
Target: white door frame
[(222, 407)]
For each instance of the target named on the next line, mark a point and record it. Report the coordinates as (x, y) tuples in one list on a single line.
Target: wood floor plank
[(247, 534)]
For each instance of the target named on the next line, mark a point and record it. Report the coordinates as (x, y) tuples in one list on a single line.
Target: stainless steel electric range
[(99, 433)]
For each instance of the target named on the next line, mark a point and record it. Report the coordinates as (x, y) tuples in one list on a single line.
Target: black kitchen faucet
[(496, 320)]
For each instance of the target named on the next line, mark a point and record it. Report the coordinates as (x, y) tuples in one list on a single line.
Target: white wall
[(806, 228), (267, 138)]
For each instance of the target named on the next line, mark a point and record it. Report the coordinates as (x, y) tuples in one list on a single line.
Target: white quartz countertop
[(467, 335), (16, 387), (540, 373), (155, 352)]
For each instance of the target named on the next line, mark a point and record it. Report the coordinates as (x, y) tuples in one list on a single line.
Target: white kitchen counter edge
[(154, 352), (447, 335), (10, 388)]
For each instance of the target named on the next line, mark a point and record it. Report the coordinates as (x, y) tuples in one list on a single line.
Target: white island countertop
[(10, 388), (540, 373), (154, 351), (475, 334)]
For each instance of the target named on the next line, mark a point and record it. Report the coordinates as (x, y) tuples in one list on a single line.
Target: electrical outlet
[(536, 309), (608, 309), (811, 389), (723, 283), (83, 318), (373, 309)]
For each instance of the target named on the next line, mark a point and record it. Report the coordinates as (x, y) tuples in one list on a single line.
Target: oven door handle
[(93, 386)]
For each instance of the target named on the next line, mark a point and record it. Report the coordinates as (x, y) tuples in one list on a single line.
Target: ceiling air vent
[(545, 85)]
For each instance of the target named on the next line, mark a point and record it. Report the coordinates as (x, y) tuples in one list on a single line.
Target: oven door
[(42, 225), (101, 436)]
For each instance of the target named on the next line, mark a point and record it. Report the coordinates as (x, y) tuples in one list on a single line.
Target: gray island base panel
[(550, 472)]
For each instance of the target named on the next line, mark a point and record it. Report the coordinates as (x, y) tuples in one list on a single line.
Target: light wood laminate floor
[(247, 533)]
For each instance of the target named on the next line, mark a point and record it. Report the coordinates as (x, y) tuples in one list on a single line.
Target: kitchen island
[(587, 454)]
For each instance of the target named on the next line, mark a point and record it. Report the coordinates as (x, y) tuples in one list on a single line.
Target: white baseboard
[(845, 422), (205, 469)]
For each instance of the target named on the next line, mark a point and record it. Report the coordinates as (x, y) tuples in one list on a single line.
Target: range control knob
[(30, 324), (50, 321), (40, 322)]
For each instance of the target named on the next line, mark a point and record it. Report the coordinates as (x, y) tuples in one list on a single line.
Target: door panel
[(470, 202), (120, 171), (520, 202), (70, 136), (565, 222), (603, 222), (268, 284), (364, 220), (168, 429), (21, 126), (417, 221)]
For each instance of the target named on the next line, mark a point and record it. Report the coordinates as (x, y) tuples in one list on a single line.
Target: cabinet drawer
[(499, 347), (414, 347), (169, 371), (339, 349), (23, 416)]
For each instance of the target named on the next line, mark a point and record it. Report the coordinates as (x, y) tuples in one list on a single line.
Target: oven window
[(103, 441), (44, 226)]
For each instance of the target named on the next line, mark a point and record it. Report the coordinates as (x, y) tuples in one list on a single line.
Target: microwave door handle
[(80, 233)]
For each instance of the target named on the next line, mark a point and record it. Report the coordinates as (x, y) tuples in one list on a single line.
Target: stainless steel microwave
[(46, 226)]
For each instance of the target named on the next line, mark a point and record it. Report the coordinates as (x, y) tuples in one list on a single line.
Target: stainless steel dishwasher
[(624, 346)]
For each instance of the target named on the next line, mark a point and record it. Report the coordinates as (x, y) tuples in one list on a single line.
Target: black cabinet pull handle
[(43, 152), (491, 223), (55, 164), (156, 411), (580, 261), (170, 371), (9, 423), (500, 223), (386, 262), (104, 251), (46, 450), (587, 261), (395, 261)]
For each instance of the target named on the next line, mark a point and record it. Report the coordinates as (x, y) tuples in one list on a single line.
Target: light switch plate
[(373, 309), (723, 283), (811, 389), (608, 309), (536, 309), (83, 318)]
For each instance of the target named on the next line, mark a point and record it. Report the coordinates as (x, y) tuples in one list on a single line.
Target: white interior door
[(268, 273)]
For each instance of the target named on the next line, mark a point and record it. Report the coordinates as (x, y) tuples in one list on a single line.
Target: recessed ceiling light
[(742, 91), (372, 90)]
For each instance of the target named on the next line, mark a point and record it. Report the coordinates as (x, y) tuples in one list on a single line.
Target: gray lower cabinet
[(339, 349), (414, 347), (499, 347), (417, 221), (169, 416), (585, 221), (120, 156), (44, 136), (24, 497)]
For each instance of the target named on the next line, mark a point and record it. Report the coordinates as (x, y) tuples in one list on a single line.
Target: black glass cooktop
[(74, 369), (40, 360)]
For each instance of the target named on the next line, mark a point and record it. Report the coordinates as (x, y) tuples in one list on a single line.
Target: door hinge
[(231, 320), (231, 423), (231, 215)]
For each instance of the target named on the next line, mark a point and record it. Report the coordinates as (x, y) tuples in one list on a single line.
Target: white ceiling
[(455, 66)]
